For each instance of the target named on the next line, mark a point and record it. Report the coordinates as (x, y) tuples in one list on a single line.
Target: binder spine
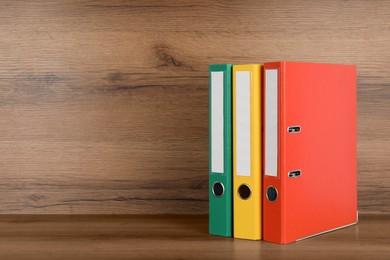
[(273, 181), (220, 150), (247, 181)]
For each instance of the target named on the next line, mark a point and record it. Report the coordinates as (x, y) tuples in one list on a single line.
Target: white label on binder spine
[(243, 129), (271, 122), (217, 122)]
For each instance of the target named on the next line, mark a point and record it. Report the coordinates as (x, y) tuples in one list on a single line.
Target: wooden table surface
[(174, 237)]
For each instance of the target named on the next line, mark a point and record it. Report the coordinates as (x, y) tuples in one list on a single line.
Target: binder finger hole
[(244, 191), (218, 189), (272, 193)]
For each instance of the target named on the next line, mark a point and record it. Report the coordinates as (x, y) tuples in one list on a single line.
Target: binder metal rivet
[(294, 173), (294, 129)]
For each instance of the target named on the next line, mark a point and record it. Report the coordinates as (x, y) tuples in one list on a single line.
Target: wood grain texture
[(103, 104), (174, 237)]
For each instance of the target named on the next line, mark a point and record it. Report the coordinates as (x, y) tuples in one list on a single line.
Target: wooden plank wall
[(103, 104)]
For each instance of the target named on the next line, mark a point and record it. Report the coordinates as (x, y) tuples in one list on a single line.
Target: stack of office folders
[(282, 150)]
